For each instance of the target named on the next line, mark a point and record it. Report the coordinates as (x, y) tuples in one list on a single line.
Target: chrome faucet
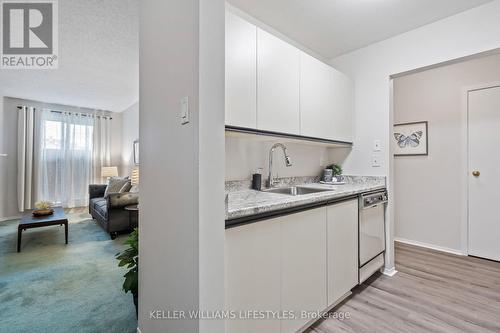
[(288, 163)]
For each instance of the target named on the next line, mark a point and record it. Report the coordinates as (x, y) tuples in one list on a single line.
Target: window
[(52, 134), (58, 135), (81, 137), (65, 158)]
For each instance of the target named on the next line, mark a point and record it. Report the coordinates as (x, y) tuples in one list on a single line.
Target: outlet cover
[(377, 146), (375, 161)]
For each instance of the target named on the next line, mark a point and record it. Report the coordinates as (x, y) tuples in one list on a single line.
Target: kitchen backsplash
[(245, 155)]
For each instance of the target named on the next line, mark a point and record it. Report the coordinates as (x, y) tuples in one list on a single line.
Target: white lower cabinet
[(303, 269), (299, 262), (342, 231), (253, 262)]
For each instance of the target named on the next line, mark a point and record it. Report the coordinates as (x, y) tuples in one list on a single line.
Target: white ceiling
[(98, 58), (334, 27)]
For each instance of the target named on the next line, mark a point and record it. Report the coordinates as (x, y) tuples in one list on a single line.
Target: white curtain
[(101, 153), (59, 155), (25, 158), (65, 146)]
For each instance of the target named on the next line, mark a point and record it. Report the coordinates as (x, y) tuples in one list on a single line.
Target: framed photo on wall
[(411, 139)]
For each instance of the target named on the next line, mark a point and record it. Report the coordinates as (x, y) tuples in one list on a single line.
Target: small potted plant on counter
[(130, 258), (337, 172)]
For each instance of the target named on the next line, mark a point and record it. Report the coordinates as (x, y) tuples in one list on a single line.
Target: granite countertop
[(244, 202)]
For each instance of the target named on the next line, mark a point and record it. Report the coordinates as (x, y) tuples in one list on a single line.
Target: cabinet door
[(241, 72), (303, 265), (277, 84), (342, 233), (253, 274), (343, 106), (316, 98)]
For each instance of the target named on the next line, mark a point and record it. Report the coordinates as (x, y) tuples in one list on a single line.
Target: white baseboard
[(8, 218), (430, 246), (389, 271)]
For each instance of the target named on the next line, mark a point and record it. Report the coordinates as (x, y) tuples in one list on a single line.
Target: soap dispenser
[(257, 179)]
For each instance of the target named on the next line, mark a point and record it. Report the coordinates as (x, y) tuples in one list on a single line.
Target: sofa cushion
[(115, 184), (123, 199), (95, 201), (100, 205)]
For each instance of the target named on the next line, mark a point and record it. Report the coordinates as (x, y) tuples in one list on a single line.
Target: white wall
[(181, 234), (130, 133), (8, 144), (430, 189), (245, 154), (476, 30)]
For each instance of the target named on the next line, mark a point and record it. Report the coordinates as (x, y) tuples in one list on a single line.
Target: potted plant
[(337, 171), (130, 258)]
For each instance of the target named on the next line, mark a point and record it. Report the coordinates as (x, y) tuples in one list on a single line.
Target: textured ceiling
[(98, 58), (334, 27)]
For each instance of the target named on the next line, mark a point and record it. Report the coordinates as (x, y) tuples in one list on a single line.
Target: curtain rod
[(83, 114)]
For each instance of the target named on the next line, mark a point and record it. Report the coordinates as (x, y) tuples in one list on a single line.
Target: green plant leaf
[(130, 258)]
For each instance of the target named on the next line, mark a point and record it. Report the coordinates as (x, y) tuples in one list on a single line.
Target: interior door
[(484, 167)]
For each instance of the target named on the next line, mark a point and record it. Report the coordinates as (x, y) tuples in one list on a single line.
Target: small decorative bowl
[(43, 212)]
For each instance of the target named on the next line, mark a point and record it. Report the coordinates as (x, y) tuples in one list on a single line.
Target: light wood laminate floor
[(432, 292)]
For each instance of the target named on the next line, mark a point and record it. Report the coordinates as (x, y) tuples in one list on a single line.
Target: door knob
[(476, 173)]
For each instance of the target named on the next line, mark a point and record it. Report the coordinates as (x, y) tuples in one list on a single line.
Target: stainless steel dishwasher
[(371, 233)]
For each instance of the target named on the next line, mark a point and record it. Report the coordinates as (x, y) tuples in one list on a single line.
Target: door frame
[(465, 224)]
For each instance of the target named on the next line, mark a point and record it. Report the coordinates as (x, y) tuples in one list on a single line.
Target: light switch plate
[(377, 146), (184, 110), (375, 161)]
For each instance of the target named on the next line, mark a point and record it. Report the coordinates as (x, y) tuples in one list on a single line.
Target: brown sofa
[(108, 211)]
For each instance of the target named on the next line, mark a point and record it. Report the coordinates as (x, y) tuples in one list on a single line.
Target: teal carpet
[(53, 287)]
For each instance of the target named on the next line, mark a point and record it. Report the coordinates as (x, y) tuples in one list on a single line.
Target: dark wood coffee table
[(29, 222)]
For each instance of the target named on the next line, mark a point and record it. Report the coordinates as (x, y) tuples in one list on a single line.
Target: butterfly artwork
[(410, 139), (413, 140)]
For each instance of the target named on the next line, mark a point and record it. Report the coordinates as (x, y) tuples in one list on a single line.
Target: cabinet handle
[(476, 173)]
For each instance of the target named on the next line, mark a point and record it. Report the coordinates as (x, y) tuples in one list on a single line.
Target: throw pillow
[(115, 184), (126, 187), (134, 189)]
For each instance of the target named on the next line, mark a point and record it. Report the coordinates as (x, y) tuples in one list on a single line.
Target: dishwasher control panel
[(373, 199)]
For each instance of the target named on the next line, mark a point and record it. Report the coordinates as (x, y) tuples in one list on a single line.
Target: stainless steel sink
[(295, 190)]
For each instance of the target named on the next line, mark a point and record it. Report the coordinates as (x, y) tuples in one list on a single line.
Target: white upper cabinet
[(316, 98), (241, 72), (278, 67), (343, 106), (273, 86), (326, 101)]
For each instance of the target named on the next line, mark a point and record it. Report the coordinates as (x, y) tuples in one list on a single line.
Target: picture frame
[(411, 139), (136, 152)]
